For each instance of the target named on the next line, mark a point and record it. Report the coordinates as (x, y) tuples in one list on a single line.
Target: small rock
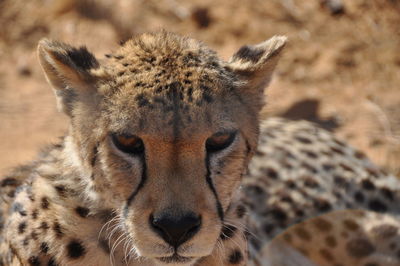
[(201, 17), (24, 71), (336, 7)]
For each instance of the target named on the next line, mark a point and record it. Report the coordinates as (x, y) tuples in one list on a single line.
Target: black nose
[(175, 230)]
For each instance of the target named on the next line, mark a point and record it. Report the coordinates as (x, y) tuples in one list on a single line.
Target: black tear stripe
[(211, 185), (94, 155), (140, 186)]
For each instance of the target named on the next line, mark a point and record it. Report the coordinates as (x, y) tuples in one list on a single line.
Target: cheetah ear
[(67, 69), (254, 64)]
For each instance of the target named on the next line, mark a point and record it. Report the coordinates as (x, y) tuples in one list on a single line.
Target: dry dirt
[(341, 68)]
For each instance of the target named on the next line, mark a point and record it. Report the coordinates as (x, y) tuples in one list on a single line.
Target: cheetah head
[(162, 131)]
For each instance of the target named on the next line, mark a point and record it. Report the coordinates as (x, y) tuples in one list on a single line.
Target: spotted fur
[(301, 171), (346, 237)]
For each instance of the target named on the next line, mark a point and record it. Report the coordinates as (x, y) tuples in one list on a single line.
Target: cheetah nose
[(176, 230)]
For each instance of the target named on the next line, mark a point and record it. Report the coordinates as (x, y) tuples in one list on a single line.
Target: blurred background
[(341, 68)]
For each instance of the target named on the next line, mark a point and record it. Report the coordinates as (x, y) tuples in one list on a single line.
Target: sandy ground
[(341, 68)]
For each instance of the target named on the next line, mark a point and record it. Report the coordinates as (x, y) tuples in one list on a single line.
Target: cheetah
[(153, 170), (161, 132)]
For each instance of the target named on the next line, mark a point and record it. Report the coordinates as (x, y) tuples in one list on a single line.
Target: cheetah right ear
[(254, 65), (67, 69)]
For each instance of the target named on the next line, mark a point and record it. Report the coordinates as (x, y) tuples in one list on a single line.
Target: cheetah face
[(163, 131)]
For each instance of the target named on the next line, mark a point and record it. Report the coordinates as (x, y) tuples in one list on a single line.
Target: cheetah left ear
[(254, 64), (68, 70)]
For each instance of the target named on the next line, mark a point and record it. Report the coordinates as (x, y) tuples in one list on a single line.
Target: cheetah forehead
[(168, 76), (151, 64)]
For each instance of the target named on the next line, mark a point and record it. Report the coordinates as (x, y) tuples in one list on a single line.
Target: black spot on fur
[(255, 190), (310, 154), (11, 193), (34, 261), (278, 214), (52, 262), (227, 232), (359, 155), (236, 257), (34, 235), (159, 89), (118, 57), (322, 205), (271, 173), (82, 211), (299, 213), (337, 150), (35, 214), (44, 247), (10, 181), (44, 226), (290, 184), (310, 182), (387, 193), (328, 167), (303, 140), (359, 248), (21, 228), (286, 198), (61, 190), (45, 203), (367, 184), (377, 205), (58, 230), (346, 167), (268, 228), (340, 143), (309, 167), (25, 242), (359, 197), (75, 249), (240, 211), (249, 53), (340, 181)]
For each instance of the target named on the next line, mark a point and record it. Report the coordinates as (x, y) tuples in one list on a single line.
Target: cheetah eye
[(220, 141), (128, 143)]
